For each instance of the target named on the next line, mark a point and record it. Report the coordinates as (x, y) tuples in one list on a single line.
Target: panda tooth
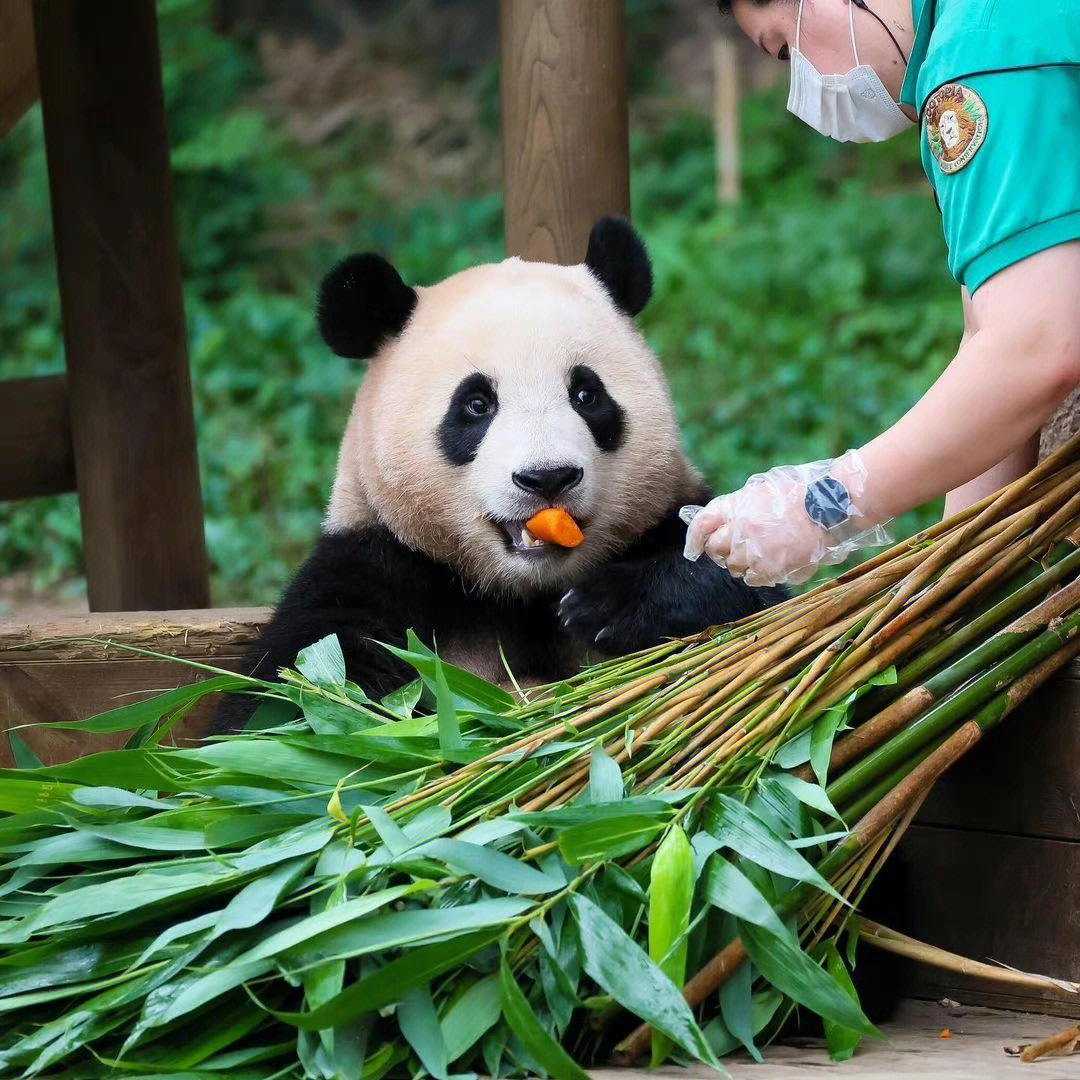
[(529, 541)]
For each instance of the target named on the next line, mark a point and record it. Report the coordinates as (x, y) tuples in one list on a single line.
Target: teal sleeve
[(1019, 194)]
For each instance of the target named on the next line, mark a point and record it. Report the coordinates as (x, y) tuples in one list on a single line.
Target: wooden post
[(35, 437), (566, 145), (132, 425), (726, 119), (18, 73)]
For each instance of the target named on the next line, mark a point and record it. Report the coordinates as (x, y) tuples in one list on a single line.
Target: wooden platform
[(53, 670), (973, 1052)]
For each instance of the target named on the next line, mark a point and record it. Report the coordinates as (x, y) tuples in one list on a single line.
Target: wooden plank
[(1002, 899), (131, 415), (913, 1049), (1024, 778), (18, 62), (35, 438), (55, 671), (566, 149)]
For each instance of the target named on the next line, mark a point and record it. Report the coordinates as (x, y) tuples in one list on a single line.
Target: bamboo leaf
[(842, 1041), (607, 839), (605, 778), (494, 868), (736, 826), (469, 690), (313, 927), (450, 740), (763, 1007), (615, 961), (390, 833), (671, 889), (402, 702), (153, 709), (323, 663), (793, 973), (24, 756), (737, 1009), (519, 1014), (585, 813), (470, 1016), (398, 929), (812, 795), (420, 1026), (822, 735), (730, 890), (389, 982)]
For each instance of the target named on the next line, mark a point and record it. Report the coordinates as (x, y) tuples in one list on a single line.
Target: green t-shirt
[(997, 87)]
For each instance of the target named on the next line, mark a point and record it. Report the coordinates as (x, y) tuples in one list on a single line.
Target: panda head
[(498, 392)]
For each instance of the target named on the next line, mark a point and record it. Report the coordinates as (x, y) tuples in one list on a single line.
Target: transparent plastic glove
[(763, 534)]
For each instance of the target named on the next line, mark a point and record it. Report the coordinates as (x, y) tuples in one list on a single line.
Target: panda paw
[(604, 611)]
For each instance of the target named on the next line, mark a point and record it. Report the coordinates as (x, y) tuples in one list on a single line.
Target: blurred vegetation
[(793, 325)]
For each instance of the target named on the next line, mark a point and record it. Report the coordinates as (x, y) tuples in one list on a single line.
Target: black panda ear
[(362, 302), (618, 258)]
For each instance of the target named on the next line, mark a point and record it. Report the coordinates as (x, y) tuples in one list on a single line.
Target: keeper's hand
[(764, 533)]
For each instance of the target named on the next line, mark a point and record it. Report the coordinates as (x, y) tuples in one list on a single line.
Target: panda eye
[(478, 406), (586, 397)]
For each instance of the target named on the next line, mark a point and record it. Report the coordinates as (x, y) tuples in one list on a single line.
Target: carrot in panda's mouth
[(555, 526)]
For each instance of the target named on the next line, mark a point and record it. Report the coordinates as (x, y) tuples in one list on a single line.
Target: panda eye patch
[(471, 409), (604, 416)]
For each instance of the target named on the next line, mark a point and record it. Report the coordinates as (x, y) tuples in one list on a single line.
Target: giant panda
[(504, 389)]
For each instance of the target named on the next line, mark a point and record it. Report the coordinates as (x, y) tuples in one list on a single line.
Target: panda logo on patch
[(955, 120)]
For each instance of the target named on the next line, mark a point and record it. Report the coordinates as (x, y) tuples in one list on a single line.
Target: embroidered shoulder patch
[(955, 119)]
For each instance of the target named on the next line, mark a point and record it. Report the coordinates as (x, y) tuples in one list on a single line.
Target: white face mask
[(854, 107)]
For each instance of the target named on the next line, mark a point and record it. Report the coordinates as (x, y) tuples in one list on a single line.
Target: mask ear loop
[(862, 5), (851, 30)]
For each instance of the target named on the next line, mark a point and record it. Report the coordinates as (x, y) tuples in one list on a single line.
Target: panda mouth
[(520, 541)]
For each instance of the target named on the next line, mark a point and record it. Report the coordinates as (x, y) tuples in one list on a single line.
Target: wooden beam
[(131, 414), (35, 437), (566, 148), (18, 63), (54, 671)]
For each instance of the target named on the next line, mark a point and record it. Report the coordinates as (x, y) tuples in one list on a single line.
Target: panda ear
[(618, 258), (362, 302)]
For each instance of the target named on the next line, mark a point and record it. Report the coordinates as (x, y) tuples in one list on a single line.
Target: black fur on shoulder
[(362, 302), (618, 258)]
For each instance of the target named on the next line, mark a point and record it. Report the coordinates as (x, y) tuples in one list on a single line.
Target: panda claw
[(605, 632)]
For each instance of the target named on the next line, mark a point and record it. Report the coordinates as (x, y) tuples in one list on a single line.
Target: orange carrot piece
[(555, 526)]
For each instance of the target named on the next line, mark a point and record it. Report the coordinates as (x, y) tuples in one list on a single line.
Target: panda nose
[(548, 482)]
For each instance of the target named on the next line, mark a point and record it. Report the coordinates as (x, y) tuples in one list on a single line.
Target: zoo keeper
[(994, 87)]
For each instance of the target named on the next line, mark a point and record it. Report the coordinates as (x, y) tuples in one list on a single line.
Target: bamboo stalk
[(970, 696), (881, 937), (917, 700)]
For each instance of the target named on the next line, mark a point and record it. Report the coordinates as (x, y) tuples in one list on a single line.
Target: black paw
[(605, 610)]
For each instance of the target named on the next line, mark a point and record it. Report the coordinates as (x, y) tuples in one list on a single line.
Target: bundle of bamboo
[(507, 883)]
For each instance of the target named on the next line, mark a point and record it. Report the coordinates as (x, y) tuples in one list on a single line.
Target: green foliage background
[(793, 325)]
